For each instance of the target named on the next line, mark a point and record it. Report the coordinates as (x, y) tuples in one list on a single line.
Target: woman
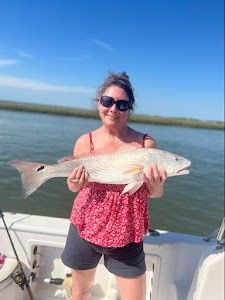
[(104, 222)]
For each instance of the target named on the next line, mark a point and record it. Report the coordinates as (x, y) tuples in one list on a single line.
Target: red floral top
[(106, 217)]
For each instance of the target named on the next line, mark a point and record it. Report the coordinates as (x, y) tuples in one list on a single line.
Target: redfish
[(125, 166)]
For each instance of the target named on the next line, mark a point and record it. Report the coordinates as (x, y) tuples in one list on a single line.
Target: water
[(191, 204)]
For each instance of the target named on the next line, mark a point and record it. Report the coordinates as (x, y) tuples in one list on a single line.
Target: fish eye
[(176, 158)]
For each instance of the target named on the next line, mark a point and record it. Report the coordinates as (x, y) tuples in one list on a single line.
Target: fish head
[(174, 164)]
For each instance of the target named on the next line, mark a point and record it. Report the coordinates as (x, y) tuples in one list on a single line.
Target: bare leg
[(132, 288), (82, 283)]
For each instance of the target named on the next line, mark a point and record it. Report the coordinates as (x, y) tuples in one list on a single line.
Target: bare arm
[(79, 176)]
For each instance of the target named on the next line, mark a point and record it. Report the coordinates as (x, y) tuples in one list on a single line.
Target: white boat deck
[(179, 266)]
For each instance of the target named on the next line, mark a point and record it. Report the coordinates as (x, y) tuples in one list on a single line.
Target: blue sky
[(58, 52)]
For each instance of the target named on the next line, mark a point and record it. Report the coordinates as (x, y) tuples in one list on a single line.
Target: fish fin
[(32, 175), (66, 158), (132, 187), (133, 170)]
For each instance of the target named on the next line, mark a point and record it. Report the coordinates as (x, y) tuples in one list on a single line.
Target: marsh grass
[(87, 113)]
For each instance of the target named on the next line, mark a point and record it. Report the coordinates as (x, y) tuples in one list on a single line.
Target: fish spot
[(40, 168)]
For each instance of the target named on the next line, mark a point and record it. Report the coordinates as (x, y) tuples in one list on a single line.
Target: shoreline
[(88, 113)]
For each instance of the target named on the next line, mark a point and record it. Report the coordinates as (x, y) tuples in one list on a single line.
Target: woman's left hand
[(155, 179)]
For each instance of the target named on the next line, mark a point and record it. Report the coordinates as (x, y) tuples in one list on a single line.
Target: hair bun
[(123, 75)]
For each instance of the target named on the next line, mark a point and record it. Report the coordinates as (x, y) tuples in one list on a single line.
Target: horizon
[(59, 54), (93, 109)]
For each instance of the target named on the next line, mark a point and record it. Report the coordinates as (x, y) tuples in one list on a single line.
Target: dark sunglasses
[(122, 105)]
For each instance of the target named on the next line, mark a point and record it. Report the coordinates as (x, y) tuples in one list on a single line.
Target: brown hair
[(121, 80)]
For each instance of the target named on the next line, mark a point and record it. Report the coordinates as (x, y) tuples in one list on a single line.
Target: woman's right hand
[(77, 179)]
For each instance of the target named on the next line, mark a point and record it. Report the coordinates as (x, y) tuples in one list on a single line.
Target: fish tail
[(32, 175)]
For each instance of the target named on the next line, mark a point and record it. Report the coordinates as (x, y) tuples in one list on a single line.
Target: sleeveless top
[(105, 217)]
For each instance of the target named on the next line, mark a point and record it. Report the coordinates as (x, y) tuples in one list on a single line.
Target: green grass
[(87, 113)]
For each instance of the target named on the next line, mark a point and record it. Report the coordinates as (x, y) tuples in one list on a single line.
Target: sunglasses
[(122, 105)]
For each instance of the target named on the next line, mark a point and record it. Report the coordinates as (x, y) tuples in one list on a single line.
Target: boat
[(179, 266)]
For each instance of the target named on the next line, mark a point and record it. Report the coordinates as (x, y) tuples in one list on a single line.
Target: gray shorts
[(79, 254)]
